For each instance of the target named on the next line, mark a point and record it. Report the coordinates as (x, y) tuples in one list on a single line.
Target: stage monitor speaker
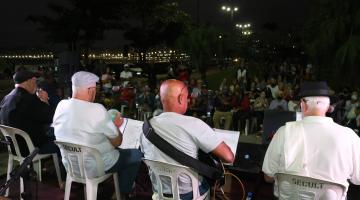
[(273, 120), (249, 157)]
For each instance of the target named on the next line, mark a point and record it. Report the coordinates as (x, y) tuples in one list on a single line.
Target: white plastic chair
[(172, 171), (10, 134), (75, 168), (306, 188)]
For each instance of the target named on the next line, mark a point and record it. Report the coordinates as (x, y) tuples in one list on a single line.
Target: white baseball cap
[(84, 79)]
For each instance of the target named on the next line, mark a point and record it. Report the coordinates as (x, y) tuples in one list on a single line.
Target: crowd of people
[(188, 102), (238, 99)]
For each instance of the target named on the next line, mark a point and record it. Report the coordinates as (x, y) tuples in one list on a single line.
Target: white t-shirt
[(188, 134), (331, 152), (87, 124), (126, 74)]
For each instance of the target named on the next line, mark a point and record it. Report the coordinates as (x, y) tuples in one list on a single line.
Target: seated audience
[(278, 103), (222, 109)]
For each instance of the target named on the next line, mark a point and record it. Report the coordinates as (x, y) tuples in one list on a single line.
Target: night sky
[(16, 33)]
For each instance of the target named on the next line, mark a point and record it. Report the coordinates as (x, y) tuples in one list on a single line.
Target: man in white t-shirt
[(78, 120), (316, 146), (188, 134), (126, 75)]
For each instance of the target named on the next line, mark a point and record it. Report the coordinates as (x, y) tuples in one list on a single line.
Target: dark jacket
[(27, 112)]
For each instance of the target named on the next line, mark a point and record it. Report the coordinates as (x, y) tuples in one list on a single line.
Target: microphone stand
[(25, 171)]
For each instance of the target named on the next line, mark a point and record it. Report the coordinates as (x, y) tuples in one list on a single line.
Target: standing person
[(27, 109), (316, 146), (187, 134), (79, 120)]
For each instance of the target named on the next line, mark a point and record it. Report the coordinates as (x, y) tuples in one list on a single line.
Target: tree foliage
[(154, 23), (79, 23), (334, 35), (199, 43)]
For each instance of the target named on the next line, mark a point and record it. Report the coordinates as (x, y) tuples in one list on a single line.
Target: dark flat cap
[(314, 88), (22, 76)]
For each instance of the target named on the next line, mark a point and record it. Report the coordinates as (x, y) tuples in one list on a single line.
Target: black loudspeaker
[(69, 63), (249, 157), (273, 120)]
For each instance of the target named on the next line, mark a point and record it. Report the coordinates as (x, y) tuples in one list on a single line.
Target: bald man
[(188, 134)]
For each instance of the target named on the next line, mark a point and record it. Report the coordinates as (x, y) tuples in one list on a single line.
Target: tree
[(199, 44), (154, 23), (334, 37), (79, 23)]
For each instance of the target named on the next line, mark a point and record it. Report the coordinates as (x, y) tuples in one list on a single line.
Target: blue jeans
[(127, 167), (50, 148)]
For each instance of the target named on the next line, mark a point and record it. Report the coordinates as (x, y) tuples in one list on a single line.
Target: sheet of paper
[(132, 130), (230, 138)]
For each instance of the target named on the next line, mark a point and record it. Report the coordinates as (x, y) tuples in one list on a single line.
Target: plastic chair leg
[(116, 185), (37, 168), (21, 187), (57, 168), (9, 169), (91, 190), (67, 187)]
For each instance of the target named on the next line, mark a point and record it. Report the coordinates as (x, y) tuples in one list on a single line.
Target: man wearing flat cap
[(27, 109), (81, 121), (315, 146)]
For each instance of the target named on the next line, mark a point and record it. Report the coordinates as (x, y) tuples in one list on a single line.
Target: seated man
[(315, 147), (28, 110), (79, 120), (188, 134)]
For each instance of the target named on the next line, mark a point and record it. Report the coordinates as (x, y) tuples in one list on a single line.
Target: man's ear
[(302, 105), (179, 98)]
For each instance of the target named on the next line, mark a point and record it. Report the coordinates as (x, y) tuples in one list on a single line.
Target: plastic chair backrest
[(306, 188), (76, 156), (10, 136), (160, 170)]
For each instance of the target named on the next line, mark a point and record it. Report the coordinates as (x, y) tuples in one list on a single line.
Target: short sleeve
[(105, 124), (271, 162), (355, 177), (206, 138)]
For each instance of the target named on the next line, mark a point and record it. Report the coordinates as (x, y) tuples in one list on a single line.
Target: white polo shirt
[(87, 124), (187, 134), (328, 152)]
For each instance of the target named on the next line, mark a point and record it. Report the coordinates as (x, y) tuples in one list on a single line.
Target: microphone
[(27, 161)]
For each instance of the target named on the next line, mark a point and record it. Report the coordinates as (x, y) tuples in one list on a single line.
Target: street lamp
[(230, 9), (245, 28)]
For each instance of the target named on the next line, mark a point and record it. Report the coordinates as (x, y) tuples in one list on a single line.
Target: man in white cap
[(79, 120), (316, 146)]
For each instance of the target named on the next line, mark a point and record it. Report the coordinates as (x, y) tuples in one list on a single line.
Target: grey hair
[(316, 103), (77, 89)]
